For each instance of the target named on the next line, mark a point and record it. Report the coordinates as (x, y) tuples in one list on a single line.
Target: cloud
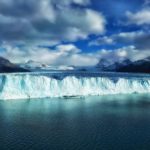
[(141, 17), (136, 46), (102, 41), (123, 37), (27, 27), (61, 55), (120, 54), (46, 20), (147, 3), (69, 54), (140, 39)]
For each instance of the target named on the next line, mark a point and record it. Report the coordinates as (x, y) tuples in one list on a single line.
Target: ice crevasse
[(32, 86)]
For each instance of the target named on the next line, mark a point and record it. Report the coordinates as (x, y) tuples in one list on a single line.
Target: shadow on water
[(117, 122)]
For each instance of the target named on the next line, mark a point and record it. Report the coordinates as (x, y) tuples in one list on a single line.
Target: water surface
[(120, 122)]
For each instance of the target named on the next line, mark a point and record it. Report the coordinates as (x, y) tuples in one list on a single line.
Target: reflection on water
[(106, 122)]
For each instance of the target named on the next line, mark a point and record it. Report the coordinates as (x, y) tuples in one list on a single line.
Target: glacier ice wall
[(31, 86)]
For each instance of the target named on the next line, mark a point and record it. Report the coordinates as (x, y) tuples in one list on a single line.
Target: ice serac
[(22, 86)]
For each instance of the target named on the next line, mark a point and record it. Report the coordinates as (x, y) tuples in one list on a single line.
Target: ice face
[(18, 86)]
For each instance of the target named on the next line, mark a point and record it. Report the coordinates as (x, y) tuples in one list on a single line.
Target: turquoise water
[(120, 122)]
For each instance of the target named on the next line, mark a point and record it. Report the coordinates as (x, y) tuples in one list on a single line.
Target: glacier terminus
[(70, 83)]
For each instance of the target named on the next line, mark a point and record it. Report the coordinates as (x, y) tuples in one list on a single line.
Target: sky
[(74, 32)]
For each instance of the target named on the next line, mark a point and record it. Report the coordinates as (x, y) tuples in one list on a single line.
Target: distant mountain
[(118, 65), (37, 66), (140, 66), (6, 66), (33, 65), (106, 65)]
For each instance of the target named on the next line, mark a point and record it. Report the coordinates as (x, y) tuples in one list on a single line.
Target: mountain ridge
[(8, 67), (139, 66)]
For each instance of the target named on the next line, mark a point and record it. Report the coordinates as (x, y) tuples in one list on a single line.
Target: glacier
[(28, 85)]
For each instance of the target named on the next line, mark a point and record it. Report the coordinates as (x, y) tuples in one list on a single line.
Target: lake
[(114, 122)]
